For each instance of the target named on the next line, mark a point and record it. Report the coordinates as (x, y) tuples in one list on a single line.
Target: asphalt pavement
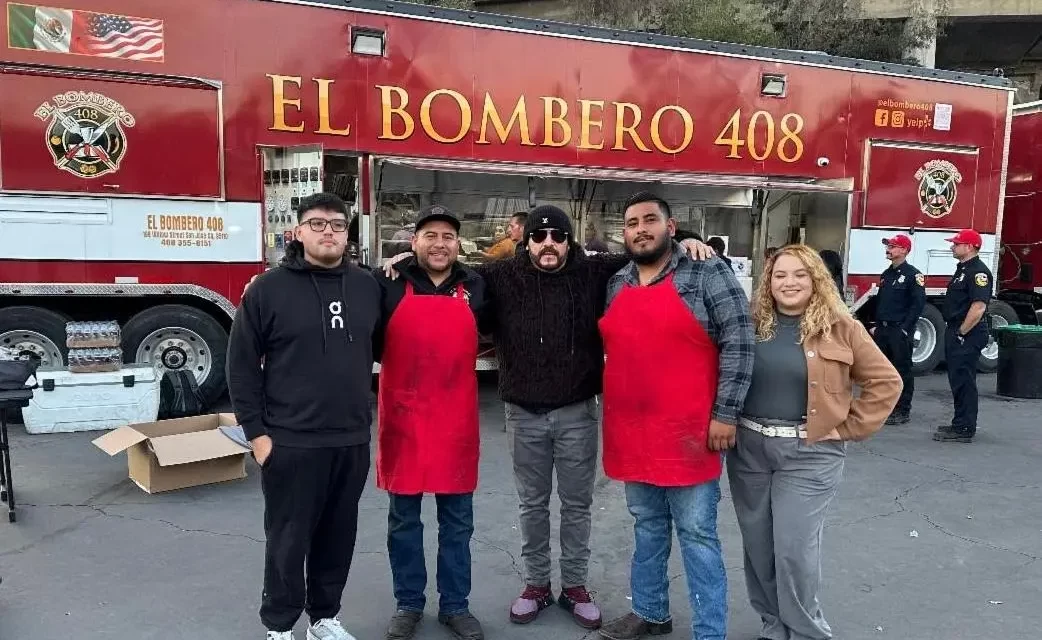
[(926, 540)]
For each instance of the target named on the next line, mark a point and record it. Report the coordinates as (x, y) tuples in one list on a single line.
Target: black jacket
[(544, 326), (312, 329), (393, 291)]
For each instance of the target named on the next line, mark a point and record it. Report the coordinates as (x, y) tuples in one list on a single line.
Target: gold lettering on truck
[(324, 126), (280, 101), (519, 116), (389, 111)]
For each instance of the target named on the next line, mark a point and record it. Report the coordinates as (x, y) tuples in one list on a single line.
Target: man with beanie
[(299, 370), (428, 422), (545, 303)]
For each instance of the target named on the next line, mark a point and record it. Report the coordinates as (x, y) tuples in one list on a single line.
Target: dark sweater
[(544, 327), (779, 387), (312, 329)]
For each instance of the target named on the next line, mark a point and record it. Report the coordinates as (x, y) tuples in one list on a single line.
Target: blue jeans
[(693, 510), (405, 551)]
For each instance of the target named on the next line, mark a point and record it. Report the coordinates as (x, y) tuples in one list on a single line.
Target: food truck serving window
[(108, 135)]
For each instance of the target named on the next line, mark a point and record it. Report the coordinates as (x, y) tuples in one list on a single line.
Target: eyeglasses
[(319, 224), (558, 236)]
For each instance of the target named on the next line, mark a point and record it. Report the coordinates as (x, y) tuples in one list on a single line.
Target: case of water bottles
[(94, 346)]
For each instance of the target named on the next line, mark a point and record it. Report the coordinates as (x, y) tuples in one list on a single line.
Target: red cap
[(900, 240), (967, 236)]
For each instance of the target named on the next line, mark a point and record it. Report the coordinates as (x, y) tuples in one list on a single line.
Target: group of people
[(686, 368), (900, 303)]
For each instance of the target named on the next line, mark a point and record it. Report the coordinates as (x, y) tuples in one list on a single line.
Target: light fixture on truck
[(772, 85), (367, 42)]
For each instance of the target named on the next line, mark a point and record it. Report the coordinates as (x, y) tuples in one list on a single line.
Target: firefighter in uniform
[(900, 302), (965, 311)]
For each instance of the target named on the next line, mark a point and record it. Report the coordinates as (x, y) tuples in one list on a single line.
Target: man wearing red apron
[(678, 341), (428, 421)]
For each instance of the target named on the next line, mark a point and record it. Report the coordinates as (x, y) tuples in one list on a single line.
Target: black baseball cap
[(434, 213)]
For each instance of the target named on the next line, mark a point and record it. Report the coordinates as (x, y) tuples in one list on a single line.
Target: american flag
[(112, 36)]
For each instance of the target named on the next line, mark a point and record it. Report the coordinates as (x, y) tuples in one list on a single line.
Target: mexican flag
[(84, 32), (41, 28)]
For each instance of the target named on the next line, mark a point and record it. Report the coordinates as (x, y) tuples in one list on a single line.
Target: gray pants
[(781, 488), (565, 438)]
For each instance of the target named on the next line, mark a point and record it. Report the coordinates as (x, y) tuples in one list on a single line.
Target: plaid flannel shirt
[(712, 292)]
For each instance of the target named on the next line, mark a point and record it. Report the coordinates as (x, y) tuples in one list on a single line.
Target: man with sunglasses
[(299, 369), (545, 303)]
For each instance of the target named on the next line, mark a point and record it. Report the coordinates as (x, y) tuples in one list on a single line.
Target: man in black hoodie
[(299, 369)]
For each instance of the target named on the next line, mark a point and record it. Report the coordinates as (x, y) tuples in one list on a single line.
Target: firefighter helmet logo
[(85, 133), (938, 187)]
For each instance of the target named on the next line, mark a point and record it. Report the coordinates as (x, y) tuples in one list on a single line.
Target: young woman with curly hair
[(791, 445)]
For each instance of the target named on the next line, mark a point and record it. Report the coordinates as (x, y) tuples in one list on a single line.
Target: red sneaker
[(577, 600), (531, 601)]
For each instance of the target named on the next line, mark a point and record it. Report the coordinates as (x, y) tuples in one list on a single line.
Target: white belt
[(774, 432)]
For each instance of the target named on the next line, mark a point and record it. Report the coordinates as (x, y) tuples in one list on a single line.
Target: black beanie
[(547, 216)]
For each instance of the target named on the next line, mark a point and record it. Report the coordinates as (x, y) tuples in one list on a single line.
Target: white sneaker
[(328, 629), (279, 635)]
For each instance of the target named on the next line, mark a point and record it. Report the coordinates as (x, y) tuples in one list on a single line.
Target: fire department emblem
[(938, 187), (85, 133)]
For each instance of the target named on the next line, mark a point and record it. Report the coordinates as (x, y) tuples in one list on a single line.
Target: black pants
[(962, 360), (310, 518), (897, 347)]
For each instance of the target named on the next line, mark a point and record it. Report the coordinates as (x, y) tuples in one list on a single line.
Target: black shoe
[(898, 418), (403, 625), (464, 626), (944, 428), (953, 436), (631, 627)]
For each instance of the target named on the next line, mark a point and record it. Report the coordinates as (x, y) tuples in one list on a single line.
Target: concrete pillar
[(925, 55)]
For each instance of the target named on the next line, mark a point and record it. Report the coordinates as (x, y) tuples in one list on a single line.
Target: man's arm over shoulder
[(606, 265), (617, 281), (728, 309), (247, 344)]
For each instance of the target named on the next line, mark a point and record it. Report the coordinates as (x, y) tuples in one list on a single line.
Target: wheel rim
[(176, 349), (33, 344), (925, 341), (991, 351)]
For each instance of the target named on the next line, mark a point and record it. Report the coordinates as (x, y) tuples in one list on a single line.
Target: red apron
[(660, 381), (428, 399)]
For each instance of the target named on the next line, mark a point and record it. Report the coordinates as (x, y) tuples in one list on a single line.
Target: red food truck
[(152, 153)]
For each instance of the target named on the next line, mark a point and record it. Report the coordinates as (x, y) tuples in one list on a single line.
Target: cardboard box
[(174, 454)]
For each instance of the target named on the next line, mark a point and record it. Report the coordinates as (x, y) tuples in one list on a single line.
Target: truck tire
[(171, 337), (37, 331), (928, 348), (1001, 315)]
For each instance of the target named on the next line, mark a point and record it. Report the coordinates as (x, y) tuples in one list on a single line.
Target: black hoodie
[(313, 330), (545, 326)]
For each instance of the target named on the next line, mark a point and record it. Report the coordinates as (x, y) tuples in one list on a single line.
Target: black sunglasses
[(319, 224), (558, 236)]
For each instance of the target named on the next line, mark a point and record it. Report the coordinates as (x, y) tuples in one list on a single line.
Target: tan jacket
[(849, 357)]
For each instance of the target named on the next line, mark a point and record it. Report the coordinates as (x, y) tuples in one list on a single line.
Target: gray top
[(779, 387)]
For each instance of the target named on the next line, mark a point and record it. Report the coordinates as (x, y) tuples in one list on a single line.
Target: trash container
[(1020, 360)]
